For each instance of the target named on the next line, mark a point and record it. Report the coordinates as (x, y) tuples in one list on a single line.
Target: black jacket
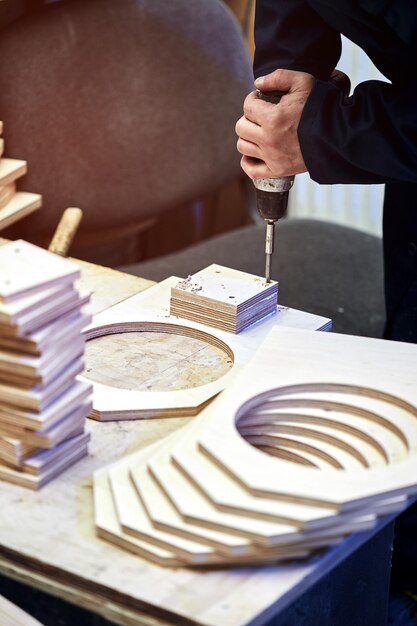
[(370, 137)]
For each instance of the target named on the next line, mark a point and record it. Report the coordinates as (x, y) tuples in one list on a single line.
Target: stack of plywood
[(42, 403), (224, 298), (313, 441), (14, 204)]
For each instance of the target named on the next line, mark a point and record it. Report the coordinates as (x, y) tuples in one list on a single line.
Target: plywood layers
[(220, 491), (42, 404), (224, 298), (14, 205)]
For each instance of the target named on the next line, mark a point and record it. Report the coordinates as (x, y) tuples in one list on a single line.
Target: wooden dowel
[(65, 231)]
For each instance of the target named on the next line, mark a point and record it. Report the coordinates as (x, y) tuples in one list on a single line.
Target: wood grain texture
[(154, 361)]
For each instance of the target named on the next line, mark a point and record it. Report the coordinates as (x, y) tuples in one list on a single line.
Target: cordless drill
[(271, 196)]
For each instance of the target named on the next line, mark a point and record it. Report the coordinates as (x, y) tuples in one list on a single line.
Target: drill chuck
[(272, 196)]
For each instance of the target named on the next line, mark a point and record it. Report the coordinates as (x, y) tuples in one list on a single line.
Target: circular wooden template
[(153, 360), (323, 426)]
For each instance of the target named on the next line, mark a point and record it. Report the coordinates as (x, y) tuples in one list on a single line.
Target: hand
[(267, 132)]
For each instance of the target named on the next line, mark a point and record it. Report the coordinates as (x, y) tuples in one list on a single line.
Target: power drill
[(271, 196)]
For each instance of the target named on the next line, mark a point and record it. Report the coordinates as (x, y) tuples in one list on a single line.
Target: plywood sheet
[(11, 170), (149, 311), (7, 192), (26, 269), (50, 336), (330, 364), (211, 475), (21, 204)]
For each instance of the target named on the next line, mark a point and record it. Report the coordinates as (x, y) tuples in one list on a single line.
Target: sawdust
[(188, 285)]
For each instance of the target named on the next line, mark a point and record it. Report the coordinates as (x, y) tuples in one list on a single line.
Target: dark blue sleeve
[(370, 137), (290, 34)]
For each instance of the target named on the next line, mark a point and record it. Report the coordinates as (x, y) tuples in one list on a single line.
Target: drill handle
[(271, 96)]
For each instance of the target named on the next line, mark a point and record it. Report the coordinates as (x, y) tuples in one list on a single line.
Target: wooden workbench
[(47, 538)]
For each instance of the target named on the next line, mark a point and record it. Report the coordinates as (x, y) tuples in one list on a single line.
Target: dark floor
[(48, 610)]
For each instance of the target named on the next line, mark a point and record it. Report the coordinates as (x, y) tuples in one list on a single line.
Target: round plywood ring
[(113, 401)]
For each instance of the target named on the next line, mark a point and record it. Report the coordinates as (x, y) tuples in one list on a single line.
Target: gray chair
[(125, 108), (322, 268)]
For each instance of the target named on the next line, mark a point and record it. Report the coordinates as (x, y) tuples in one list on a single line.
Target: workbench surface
[(47, 538)]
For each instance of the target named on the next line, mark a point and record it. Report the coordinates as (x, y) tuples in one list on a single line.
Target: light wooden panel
[(21, 204), (330, 363), (211, 477), (149, 311)]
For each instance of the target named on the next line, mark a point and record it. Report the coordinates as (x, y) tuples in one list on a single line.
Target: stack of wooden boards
[(42, 403), (224, 298), (207, 496), (14, 204)]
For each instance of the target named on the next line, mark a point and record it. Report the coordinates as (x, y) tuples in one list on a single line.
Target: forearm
[(291, 35), (368, 138)]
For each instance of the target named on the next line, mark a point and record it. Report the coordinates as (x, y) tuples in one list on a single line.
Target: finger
[(255, 109), (248, 148), (254, 168), (248, 130)]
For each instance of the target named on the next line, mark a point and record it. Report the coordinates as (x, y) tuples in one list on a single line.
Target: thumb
[(279, 80), (285, 80)]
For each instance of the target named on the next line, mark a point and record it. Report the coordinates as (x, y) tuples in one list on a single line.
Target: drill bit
[(269, 248)]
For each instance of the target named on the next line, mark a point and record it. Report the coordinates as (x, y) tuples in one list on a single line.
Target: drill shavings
[(187, 285)]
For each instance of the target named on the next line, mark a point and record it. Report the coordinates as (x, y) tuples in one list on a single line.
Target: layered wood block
[(42, 404), (224, 298), (314, 440), (14, 205)]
